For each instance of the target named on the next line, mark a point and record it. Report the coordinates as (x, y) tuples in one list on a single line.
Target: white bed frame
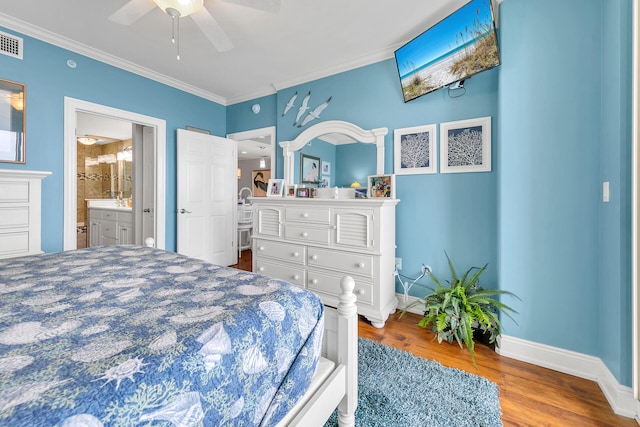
[(336, 381)]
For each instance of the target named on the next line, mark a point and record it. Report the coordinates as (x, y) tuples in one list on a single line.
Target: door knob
[(184, 211)]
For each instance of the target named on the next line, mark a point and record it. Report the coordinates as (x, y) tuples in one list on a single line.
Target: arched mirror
[(364, 146)]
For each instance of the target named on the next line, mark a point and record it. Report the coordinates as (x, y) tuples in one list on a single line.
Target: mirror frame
[(16, 99), (373, 136)]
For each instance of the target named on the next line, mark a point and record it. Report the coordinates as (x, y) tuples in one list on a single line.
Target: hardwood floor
[(529, 395)]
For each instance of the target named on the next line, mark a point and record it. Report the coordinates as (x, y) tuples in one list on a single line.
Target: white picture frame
[(383, 185), (415, 150), (465, 146), (275, 188), (291, 190), (326, 168)]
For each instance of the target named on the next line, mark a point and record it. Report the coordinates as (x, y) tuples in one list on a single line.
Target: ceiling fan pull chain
[(178, 37)]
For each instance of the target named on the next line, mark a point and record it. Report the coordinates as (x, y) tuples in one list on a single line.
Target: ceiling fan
[(136, 9)]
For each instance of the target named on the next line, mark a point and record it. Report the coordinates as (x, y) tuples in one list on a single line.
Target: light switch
[(605, 191)]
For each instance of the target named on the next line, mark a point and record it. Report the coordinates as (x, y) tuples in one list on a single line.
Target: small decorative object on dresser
[(302, 192), (290, 191), (20, 212), (312, 243), (275, 188), (382, 186)]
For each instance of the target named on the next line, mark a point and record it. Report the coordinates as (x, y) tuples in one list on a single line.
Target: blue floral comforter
[(132, 336)]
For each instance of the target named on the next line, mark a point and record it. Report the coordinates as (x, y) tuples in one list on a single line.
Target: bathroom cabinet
[(313, 243), (20, 212), (110, 226)]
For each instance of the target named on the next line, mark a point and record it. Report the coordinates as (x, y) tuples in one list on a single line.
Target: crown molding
[(30, 30), (361, 61)]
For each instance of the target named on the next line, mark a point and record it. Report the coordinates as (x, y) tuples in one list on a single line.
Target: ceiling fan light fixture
[(184, 7)]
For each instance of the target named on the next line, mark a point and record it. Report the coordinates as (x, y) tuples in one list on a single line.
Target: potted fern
[(463, 307)]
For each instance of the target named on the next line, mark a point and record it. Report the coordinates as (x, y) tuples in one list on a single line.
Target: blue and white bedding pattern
[(132, 336)]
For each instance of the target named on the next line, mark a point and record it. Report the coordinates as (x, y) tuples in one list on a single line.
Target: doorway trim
[(71, 107), (635, 199), (256, 133)]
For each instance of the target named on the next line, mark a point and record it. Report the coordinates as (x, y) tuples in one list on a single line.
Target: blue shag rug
[(397, 388)]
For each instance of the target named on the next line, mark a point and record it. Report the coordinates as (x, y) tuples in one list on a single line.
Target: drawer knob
[(305, 215), (314, 281), (295, 254), (360, 292), (361, 265), (261, 248), (305, 234), (261, 269), (296, 277), (314, 257)]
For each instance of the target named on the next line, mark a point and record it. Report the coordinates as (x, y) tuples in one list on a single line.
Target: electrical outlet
[(398, 263)]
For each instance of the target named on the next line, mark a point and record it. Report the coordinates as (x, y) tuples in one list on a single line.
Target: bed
[(126, 336)]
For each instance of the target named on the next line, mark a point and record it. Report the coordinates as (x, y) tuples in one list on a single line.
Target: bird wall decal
[(290, 104), (303, 108), (315, 113)]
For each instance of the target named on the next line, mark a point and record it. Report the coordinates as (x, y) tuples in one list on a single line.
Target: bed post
[(348, 351)]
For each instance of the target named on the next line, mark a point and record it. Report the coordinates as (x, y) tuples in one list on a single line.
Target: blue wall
[(560, 104), (564, 106), (560, 108), (49, 80)]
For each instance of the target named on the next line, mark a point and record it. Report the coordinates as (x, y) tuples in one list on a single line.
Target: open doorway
[(157, 141)]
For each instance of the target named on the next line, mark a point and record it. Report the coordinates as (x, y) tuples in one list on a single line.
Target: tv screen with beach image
[(456, 48)]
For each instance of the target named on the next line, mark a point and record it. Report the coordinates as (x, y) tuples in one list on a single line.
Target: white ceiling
[(305, 40)]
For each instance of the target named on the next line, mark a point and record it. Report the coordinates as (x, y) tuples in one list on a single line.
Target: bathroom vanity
[(109, 224)]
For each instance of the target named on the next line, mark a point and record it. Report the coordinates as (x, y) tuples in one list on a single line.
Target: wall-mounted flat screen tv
[(456, 48)]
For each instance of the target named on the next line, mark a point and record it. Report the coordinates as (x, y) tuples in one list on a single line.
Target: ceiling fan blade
[(132, 11), (212, 30), (272, 6)]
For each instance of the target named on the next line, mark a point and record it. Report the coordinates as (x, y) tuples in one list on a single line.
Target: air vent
[(10, 45)]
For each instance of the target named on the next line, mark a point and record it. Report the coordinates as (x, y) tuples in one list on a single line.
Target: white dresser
[(313, 243), (110, 226), (20, 212)]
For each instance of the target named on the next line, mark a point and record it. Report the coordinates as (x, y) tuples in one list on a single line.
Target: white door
[(207, 187)]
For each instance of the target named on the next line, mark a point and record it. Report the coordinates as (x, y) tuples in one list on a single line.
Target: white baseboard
[(620, 397), (592, 368)]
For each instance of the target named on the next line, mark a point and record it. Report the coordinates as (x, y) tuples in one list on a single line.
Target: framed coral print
[(309, 169), (382, 186), (12, 122), (465, 146), (414, 150), (275, 187)]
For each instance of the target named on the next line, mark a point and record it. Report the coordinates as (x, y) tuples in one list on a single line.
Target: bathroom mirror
[(12, 122), (338, 133)]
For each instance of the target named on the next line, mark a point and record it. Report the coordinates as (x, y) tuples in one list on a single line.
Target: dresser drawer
[(329, 284), (109, 229), (309, 214), (308, 235), (350, 263), (284, 251), (95, 214), (14, 192), (13, 217), (291, 274), (14, 244)]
